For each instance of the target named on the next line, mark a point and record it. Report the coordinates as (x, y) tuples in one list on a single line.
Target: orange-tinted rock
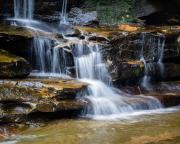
[(22, 99)]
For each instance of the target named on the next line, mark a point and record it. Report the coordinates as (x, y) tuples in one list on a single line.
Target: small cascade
[(104, 100), (146, 81), (63, 18), (161, 45), (47, 58), (23, 9), (89, 63), (155, 46)]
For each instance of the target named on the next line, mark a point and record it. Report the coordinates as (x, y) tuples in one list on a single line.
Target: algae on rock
[(12, 66)]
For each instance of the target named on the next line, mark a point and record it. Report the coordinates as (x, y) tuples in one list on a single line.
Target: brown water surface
[(145, 129)]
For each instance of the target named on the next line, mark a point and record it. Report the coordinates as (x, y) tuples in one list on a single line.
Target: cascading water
[(89, 62), (155, 44), (63, 18), (23, 9), (146, 79), (161, 45), (104, 100), (47, 58)]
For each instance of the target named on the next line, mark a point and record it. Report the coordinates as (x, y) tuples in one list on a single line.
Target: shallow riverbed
[(160, 127)]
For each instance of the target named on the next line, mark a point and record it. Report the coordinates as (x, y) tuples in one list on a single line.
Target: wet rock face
[(130, 44), (127, 72), (16, 40), (151, 44), (24, 100), (12, 66)]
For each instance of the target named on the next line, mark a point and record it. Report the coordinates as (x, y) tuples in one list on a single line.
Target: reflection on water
[(159, 128)]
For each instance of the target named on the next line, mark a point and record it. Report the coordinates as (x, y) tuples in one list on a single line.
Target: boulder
[(129, 71), (158, 12), (144, 8), (167, 92), (12, 66), (78, 17)]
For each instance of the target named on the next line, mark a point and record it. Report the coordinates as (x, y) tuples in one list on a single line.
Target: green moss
[(112, 12), (6, 57), (136, 72), (12, 30)]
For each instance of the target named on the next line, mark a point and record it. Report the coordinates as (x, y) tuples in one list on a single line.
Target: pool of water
[(160, 127)]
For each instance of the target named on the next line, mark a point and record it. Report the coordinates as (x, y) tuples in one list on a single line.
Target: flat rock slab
[(46, 96), (168, 93)]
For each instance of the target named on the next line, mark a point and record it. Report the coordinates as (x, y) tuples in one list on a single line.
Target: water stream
[(152, 128), (63, 19), (23, 9), (48, 59), (105, 101), (156, 47)]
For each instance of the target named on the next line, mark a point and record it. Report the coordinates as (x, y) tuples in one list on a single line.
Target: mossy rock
[(12, 66), (14, 30)]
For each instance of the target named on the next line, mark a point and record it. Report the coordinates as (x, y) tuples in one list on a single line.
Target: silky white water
[(48, 59), (161, 45), (104, 100), (63, 18), (157, 46), (146, 80), (23, 9)]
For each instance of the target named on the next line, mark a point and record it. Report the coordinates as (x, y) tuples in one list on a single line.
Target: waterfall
[(47, 58), (146, 79), (155, 46), (23, 9), (161, 45), (89, 63), (104, 99), (63, 18)]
